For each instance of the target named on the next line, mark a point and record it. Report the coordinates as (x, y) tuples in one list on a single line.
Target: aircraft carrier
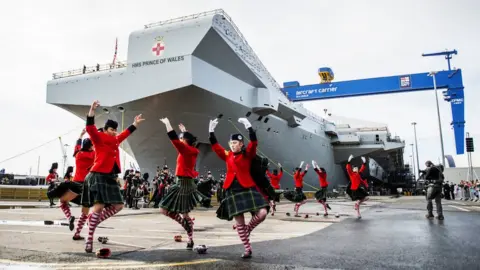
[(196, 68)]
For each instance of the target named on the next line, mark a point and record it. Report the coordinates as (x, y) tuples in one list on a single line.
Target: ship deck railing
[(89, 69)]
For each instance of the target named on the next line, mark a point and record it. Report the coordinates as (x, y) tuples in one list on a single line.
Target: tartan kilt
[(278, 192), (101, 188), (183, 196), (359, 194), (239, 201), (59, 190), (321, 194), (296, 195)]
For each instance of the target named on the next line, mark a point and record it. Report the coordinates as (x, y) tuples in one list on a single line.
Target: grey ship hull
[(206, 69), (150, 145)]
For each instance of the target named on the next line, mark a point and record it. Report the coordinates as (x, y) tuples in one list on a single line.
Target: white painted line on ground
[(233, 237), (458, 203), (460, 208), (212, 232), (107, 265), (124, 244)]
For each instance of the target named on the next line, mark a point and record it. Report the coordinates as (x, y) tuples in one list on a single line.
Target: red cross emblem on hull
[(158, 48)]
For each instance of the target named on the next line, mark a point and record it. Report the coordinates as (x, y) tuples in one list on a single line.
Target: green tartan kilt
[(321, 194), (101, 188), (296, 195), (239, 201), (183, 196)]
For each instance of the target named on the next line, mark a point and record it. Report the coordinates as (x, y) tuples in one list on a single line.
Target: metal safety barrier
[(23, 193)]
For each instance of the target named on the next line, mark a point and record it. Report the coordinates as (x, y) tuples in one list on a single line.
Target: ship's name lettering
[(305, 93), (158, 61)]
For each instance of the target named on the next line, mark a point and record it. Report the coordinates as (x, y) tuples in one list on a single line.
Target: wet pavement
[(393, 234)]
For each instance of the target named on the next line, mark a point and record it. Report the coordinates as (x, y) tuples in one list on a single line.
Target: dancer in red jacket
[(297, 196), (358, 189), (321, 194), (275, 177), (71, 191), (241, 193), (84, 158), (182, 197), (100, 187)]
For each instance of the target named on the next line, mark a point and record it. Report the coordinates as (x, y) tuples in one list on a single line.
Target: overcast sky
[(357, 39)]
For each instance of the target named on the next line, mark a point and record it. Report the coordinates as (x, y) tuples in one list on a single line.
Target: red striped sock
[(80, 224), (107, 213), (255, 221), (92, 225), (243, 233), (300, 204), (176, 217), (324, 206), (66, 209), (190, 234)]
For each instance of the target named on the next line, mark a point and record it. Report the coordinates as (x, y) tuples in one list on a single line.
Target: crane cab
[(326, 74)]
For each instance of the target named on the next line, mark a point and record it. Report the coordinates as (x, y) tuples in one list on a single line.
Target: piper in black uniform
[(205, 186)]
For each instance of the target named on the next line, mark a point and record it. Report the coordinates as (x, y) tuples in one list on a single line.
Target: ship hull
[(195, 107)]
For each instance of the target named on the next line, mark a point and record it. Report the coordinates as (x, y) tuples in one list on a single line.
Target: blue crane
[(451, 80)]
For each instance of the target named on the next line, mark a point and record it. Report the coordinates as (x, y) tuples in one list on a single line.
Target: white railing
[(90, 69), (185, 18)]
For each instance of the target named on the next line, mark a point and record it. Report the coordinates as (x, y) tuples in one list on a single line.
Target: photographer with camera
[(434, 181)]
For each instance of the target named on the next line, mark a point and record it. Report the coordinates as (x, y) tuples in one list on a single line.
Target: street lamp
[(64, 157), (122, 110), (413, 162), (416, 145), (432, 74)]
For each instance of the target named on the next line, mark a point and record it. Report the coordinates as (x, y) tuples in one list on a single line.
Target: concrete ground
[(393, 234)]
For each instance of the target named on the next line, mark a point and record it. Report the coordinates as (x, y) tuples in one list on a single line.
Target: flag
[(115, 55)]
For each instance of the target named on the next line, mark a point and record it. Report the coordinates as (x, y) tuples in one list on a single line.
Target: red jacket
[(51, 177), (238, 165), (275, 179), (83, 162), (187, 157), (298, 178), (322, 178), (355, 177), (107, 154)]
